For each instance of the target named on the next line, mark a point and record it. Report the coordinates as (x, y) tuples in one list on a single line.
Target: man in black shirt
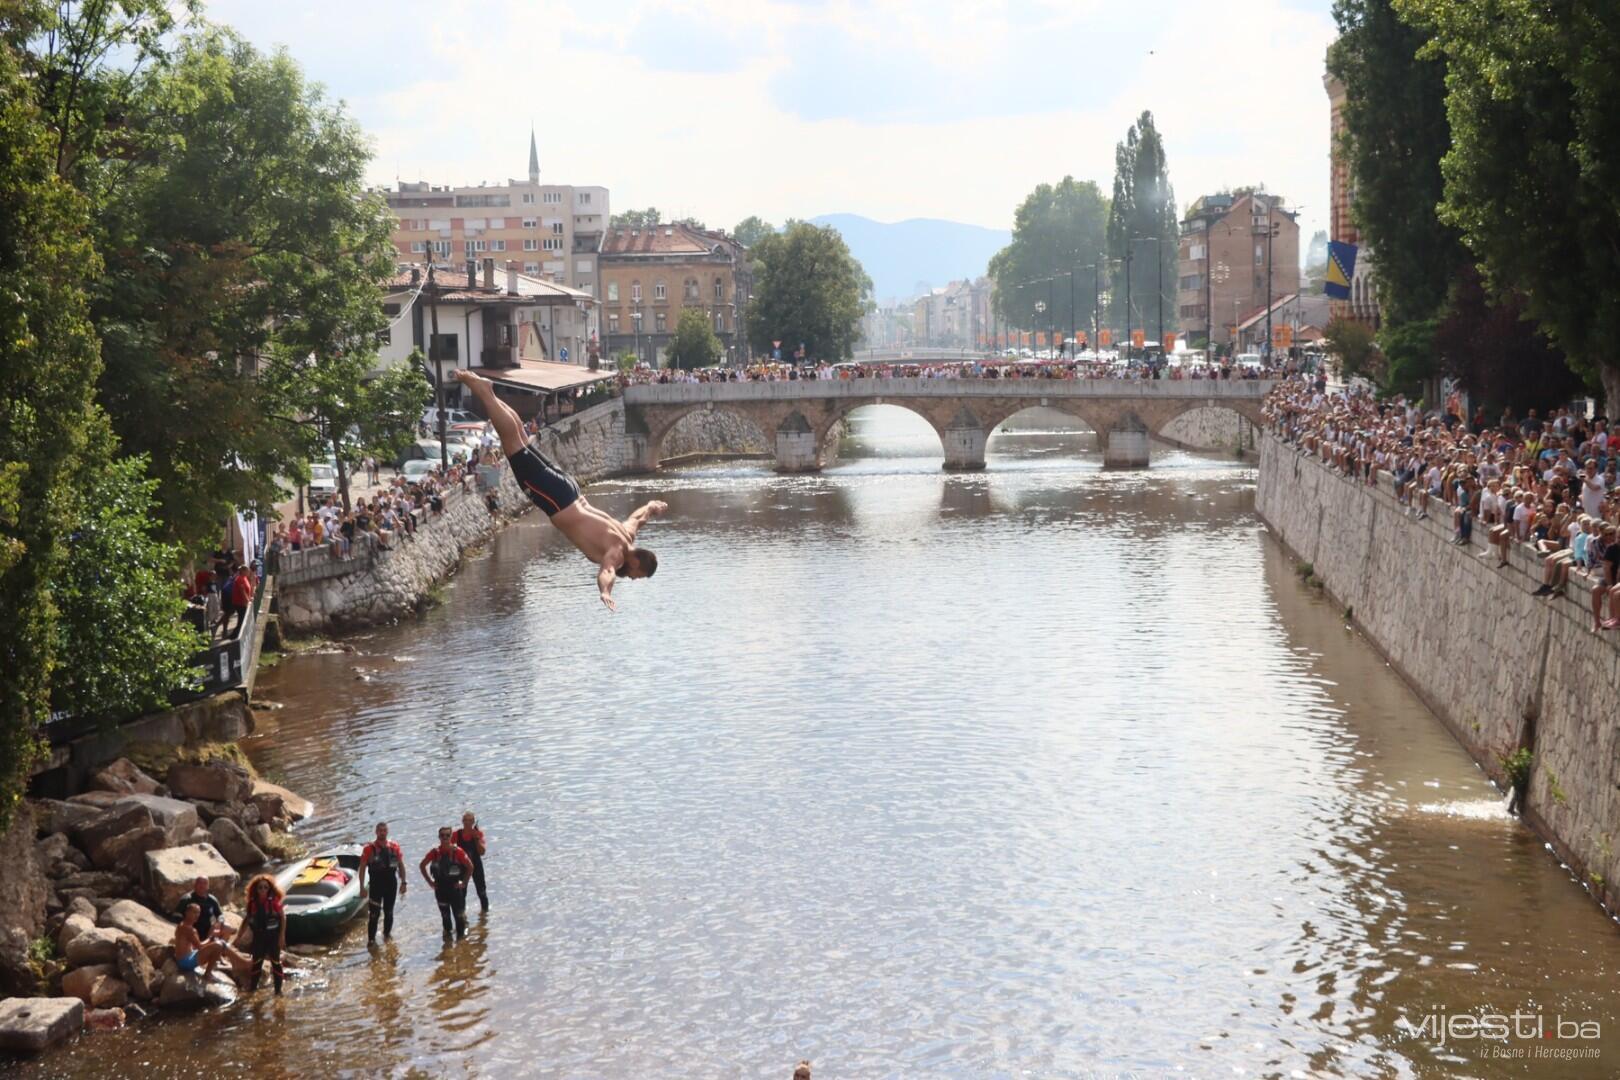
[(208, 909)]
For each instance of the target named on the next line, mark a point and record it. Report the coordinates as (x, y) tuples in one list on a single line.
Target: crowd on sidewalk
[(968, 369), (1545, 486)]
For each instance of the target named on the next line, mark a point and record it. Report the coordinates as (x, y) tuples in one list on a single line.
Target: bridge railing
[(832, 389)]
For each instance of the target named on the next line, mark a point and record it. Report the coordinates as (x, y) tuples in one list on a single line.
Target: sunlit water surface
[(1044, 771)]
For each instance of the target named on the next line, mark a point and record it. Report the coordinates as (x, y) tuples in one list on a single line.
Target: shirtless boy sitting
[(610, 544)]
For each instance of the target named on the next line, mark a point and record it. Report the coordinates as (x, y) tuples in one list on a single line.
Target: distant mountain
[(906, 257)]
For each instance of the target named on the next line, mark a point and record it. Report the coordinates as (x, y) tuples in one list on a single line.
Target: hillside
[(904, 256)]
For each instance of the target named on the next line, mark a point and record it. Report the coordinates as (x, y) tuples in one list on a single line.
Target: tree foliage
[(1143, 207), (635, 219), (1395, 131), (1351, 343), (751, 230), (242, 296), (48, 364), (807, 289), (1058, 230), (1532, 176), (120, 644), (694, 343), (1500, 356)]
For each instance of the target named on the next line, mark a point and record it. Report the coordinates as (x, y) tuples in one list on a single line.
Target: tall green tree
[(751, 230), (242, 300), (694, 343), (807, 290), (635, 219), (1143, 229), (48, 364), (1058, 230), (1532, 176), (1504, 359)]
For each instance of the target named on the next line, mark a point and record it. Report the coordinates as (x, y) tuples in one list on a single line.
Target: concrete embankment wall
[(378, 586), (1500, 667)]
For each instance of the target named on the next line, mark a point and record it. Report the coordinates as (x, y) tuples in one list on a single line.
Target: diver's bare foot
[(469, 380)]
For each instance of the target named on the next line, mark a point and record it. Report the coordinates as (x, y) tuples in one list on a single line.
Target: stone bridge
[(800, 415)]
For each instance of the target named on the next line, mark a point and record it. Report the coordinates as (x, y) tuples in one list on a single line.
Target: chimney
[(416, 275), (489, 273), (472, 273), (511, 278)]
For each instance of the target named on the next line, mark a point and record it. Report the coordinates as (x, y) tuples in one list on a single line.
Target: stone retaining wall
[(1501, 668), (1209, 429)]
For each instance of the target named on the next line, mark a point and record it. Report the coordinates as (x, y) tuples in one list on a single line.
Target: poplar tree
[(1143, 207)]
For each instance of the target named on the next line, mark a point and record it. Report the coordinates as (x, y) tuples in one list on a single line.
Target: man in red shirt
[(386, 864), (451, 869), (470, 838)]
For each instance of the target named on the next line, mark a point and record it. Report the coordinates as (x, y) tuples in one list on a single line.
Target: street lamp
[(1040, 305), (635, 317), (1158, 255)]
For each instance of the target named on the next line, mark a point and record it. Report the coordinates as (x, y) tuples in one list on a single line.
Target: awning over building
[(543, 377)]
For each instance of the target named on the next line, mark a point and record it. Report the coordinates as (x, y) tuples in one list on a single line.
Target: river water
[(1045, 771)]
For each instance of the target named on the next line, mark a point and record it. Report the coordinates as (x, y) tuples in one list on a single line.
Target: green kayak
[(322, 892)]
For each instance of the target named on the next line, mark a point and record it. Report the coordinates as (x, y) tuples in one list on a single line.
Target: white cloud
[(913, 108)]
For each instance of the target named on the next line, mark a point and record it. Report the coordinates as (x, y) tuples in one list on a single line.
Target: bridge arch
[(675, 435), (840, 411), (1212, 424)]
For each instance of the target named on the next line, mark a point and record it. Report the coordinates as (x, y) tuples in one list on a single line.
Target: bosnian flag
[(1340, 269)]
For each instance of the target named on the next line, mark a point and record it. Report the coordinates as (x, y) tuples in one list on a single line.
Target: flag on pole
[(1340, 269)]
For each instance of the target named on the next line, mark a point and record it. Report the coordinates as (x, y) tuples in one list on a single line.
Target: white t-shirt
[(1592, 491), (1522, 516)]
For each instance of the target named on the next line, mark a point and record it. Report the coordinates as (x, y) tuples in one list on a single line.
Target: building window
[(691, 288), (1191, 282), (390, 312), (530, 244), (635, 292), (531, 268), (613, 322), (719, 290), (720, 321), (556, 228), (497, 245), (660, 318), (553, 197), (418, 245), (441, 247), (613, 292), (530, 223), (658, 291), (528, 196), (473, 245), (552, 243), (584, 198)]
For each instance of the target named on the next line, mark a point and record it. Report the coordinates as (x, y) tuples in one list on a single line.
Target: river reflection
[(1044, 771)]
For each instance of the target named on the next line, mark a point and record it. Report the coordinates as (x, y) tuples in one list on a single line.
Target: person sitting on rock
[(192, 952), (609, 543)]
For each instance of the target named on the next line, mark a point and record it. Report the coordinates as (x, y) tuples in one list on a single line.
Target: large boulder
[(54, 816), (171, 872), (234, 844), (140, 922), (53, 849), (32, 1024), (215, 781), (196, 990), (126, 853), (98, 799), (25, 899), (83, 982), (295, 806), (104, 1019), (136, 969), (106, 839), (124, 777), (97, 945), (175, 815), (83, 907), (103, 882), (72, 927)]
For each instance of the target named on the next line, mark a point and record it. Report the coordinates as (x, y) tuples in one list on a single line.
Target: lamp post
[(1158, 254), (635, 317)]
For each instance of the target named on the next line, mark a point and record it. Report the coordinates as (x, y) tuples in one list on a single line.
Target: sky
[(892, 109)]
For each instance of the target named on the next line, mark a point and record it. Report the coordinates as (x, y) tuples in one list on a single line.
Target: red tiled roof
[(663, 240)]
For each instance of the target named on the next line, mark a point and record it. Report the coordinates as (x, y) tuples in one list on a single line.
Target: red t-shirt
[(241, 590), (372, 850), (471, 840)]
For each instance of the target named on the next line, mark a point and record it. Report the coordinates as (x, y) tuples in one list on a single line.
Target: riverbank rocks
[(227, 836), (98, 799), (106, 839), (214, 781), (56, 816), (294, 806), (95, 883), (104, 1019), (24, 901), (139, 922), (124, 777), (136, 969), (72, 927), (97, 945), (91, 982), (196, 990), (30, 1025), (171, 872)]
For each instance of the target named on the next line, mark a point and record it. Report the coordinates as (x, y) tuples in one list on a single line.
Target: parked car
[(421, 450), (451, 417), (322, 479), (417, 468)]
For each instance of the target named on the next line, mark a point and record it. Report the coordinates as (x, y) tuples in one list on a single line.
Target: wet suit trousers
[(478, 880), (382, 904), (453, 906), (271, 951)]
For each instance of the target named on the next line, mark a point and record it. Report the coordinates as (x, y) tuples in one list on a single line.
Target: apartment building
[(1363, 303), (649, 275), (553, 231), (1227, 265)]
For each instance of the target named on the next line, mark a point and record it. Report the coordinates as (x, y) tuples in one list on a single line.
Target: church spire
[(534, 158)]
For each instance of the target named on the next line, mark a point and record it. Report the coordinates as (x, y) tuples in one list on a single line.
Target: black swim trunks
[(551, 489)]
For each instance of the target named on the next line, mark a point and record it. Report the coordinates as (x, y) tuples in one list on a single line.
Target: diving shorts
[(551, 489)]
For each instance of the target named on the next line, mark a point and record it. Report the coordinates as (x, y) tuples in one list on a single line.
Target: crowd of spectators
[(1547, 486), (968, 369), (218, 592)]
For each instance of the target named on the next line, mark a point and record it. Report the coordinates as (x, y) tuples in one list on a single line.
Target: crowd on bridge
[(966, 369), (1546, 486)]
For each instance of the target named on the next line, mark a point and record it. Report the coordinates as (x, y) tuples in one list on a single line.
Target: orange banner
[(1080, 339), (1106, 337), (1282, 336), (1137, 338), (1169, 342)]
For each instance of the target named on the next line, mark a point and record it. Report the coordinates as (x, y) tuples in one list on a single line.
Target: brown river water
[(1040, 772)]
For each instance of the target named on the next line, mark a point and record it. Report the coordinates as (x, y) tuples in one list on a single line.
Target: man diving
[(610, 544)]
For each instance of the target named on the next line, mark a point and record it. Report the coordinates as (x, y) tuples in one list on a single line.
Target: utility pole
[(1209, 293), (1073, 321), (432, 289), (1128, 242), (1158, 254)]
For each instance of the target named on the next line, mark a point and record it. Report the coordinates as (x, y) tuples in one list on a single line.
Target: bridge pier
[(964, 448), (797, 448), (639, 455), (1126, 445)]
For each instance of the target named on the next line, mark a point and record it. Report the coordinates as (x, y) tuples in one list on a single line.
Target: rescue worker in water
[(451, 871), (385, 863), (470, 838)]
